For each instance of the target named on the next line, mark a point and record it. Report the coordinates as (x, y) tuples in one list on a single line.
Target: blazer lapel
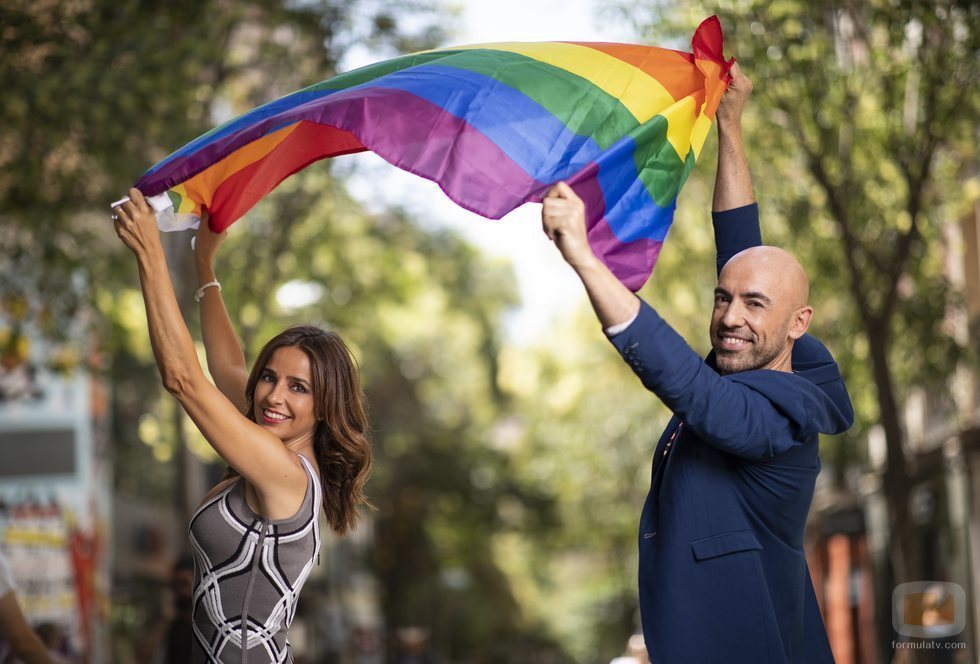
[(660, 458)]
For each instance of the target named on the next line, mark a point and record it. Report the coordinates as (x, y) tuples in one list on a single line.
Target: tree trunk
[(902, 544)]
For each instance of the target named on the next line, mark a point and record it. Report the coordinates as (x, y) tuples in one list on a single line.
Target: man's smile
[(731, 342)]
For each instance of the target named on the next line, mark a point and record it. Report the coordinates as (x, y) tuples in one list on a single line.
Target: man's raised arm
[(563, 221), (734, 213), (735, 218), (733, 182)]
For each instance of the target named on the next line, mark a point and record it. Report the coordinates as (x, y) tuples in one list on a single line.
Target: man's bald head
[(760, 309), (778, 265)]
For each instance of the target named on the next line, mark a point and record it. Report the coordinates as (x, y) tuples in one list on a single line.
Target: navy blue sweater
[(723, 575)]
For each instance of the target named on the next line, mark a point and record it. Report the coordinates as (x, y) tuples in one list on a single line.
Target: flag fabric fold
[(495, 125)]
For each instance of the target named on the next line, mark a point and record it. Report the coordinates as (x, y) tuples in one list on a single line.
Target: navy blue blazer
[(723, 575)]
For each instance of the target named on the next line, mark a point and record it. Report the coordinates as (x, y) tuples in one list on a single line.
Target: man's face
[(753, 317)]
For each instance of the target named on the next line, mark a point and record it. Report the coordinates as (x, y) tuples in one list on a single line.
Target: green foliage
[(862, 125), (94, 92)]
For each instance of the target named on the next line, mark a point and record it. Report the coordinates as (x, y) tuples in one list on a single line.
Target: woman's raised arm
[(257, 454), (223, 349)]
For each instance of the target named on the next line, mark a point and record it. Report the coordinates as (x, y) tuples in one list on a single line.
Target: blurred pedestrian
[(23, 642), (636, 652), (169, 641), (413, 646), (293, 431)]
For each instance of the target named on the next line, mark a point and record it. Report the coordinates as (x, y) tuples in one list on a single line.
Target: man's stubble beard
[(754, 358)]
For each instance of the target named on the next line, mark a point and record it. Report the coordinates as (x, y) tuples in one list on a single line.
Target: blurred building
[(54, 498), (848, 533)]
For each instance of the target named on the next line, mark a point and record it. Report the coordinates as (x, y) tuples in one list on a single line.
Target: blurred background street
[(512, 443)]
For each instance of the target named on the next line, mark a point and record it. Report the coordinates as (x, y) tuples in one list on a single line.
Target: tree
[(95, 92)]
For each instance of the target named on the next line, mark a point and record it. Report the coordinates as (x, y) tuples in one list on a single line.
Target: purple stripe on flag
[(424, 139), (631, 262), (407, 131)]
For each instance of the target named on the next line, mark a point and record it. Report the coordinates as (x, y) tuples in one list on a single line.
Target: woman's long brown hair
[(340, 440)]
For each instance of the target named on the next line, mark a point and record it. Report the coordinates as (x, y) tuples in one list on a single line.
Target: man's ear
[(801, 322)]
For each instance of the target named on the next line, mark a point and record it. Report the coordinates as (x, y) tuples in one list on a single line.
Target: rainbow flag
[(495, 125)]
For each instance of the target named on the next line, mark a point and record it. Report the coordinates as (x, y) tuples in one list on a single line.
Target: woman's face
[(283, 400)]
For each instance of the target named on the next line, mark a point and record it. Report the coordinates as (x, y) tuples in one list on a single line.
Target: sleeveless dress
[(248, 572)]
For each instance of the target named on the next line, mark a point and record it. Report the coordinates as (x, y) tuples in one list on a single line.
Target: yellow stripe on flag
[(641, 94), (680, 123)]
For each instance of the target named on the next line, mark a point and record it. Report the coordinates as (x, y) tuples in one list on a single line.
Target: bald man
[(723, 575)]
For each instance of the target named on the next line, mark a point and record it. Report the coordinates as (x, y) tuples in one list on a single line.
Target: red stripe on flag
[(308, 143)]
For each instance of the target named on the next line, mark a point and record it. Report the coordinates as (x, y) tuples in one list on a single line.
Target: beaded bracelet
[(200, 291)]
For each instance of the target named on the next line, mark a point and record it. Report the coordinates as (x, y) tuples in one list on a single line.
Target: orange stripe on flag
[(307, 143), (207, 181), (671, 68)]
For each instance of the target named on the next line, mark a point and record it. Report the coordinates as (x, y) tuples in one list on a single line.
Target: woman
[(293, 432)]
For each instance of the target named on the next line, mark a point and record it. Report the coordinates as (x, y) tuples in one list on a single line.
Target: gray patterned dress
[(248, 572)]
